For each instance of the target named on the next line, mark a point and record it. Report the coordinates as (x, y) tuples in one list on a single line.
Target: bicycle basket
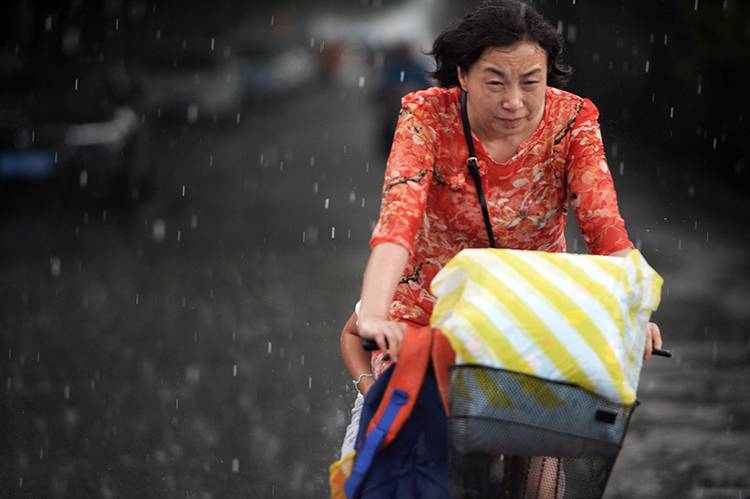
[(513, 435)]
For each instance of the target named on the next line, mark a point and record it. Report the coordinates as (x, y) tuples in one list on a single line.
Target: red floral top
[(430, 204)]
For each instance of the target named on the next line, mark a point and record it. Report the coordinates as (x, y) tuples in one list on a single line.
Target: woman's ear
[(461, 79)]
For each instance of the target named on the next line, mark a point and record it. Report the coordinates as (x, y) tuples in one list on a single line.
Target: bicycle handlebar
[(370, 345)]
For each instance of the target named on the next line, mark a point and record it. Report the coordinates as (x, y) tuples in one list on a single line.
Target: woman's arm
[(405, 188), (383, 272), (591, 188), (356, 359), (653, 334)]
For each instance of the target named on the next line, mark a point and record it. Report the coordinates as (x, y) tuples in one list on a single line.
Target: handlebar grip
[(370, 345), (661, 353)]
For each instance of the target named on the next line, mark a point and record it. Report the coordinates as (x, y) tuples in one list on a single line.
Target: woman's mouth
[(512, 122)]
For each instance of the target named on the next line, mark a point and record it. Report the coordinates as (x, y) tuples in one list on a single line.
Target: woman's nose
[(512, 100)]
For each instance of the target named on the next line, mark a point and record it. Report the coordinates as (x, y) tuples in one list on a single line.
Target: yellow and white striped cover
[(566, 317)]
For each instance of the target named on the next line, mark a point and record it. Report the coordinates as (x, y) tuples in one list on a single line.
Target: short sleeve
[(408, 175), (591, 187)]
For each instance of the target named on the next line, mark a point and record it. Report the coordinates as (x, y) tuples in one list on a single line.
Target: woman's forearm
[(356, 359), (384, 268)]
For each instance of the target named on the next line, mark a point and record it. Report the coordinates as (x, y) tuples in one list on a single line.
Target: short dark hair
[(497, 23)]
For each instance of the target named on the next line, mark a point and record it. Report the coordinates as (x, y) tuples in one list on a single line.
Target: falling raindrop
[(159, 230), (234, 370), (66, 392), (333, 232), (192, 113), (361, 81), (75, 85), (55, 265), (235, 465), (326, 204), (572, 33), (192, 374), (269, 347)]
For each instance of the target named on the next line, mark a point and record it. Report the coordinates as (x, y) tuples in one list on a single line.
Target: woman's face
[(506, 88)]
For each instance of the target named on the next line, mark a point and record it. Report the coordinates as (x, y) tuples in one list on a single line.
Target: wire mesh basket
[(513, 435)]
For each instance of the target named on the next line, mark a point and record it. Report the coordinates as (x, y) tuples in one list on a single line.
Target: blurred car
[(274, 65), (191, 79), (72, 121)]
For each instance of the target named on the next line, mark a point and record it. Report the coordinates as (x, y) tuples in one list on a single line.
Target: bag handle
[(473, 166)]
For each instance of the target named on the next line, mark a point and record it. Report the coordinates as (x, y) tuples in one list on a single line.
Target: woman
[(537, 147)]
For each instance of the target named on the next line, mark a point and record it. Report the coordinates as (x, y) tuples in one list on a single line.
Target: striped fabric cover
[(566, 317)]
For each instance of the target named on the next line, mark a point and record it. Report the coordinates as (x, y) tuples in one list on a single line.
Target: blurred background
[(187, 190)]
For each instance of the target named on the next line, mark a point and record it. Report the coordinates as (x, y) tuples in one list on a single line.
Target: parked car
[(73, 121), (191, 80), (274, 64)]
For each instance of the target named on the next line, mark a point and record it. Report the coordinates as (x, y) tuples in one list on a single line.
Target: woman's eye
[(495, 83), (530, 82)]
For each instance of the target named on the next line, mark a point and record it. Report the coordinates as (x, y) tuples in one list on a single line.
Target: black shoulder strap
[(474, 169)]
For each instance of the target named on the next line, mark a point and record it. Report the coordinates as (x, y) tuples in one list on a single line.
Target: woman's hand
[(365, 385), (653, 340), (387, 334)]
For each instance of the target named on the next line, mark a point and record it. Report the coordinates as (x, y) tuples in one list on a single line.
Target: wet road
[(194, 353)]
